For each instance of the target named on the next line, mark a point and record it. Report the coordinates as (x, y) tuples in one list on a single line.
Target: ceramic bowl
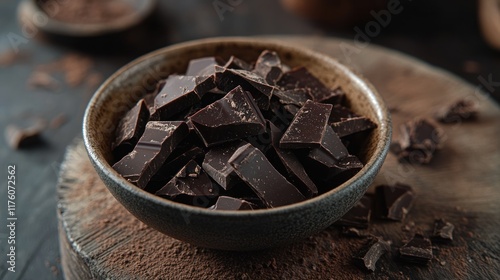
[(30, 12), (231, 230)]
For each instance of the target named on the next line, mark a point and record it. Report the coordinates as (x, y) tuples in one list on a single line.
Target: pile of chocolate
[(239, 136)]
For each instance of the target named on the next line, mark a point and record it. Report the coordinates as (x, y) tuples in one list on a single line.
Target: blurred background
[(49, 71)]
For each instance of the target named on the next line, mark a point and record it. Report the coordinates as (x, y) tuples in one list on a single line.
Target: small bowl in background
[(230, 230)]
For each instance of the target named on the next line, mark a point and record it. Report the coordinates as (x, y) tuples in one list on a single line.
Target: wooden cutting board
[(100, 239)]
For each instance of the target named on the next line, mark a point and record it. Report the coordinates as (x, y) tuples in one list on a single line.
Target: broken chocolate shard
[(359, 215), (217, 167), (236, 63), (419, 141), (291, 164), (417, 250), (393, 202), (308, 126), (331, 144), (353, 125), (268, 66), (253, 168), (233, 117), (180, 93), (443, 230), (301, 78), (191, 181), (230, 203), (204, 66), (345, 122), (159, 139), (18, 137), (372, 251), (461, 110), (296, 97), (174, 163), (228, 79), (130, 129)]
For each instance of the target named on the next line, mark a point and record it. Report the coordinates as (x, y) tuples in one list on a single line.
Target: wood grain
[(100, 239)]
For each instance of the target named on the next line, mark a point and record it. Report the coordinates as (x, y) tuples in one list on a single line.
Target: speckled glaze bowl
[(230, 230)]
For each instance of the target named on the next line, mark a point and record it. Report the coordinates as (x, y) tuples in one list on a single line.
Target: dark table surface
[(443, 33)]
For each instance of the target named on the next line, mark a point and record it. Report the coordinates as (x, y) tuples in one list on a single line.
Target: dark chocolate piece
[(372, 251), (130, 129), (217, 167), (291, 164), (233, 117), (301, 78), (254, 169), (204, 66), (308, 126), (359, 215), (174, 163), (417, 250), (443, 230), (296, 97), (394, 201), (236, 63), (191, 182), (268, 66), (462, 110), (345, 122), (327, 171), (230, 203), (180, 93), (22, 137), (159, 139), (228, 79), (420, 139)]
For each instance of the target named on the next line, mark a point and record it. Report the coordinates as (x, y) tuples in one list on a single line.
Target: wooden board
[(100, 239)]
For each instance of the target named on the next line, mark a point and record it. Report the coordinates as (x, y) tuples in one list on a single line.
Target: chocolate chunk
[(233, 117), (308, 126), (296, 97), (158, 141), (130, 129), (359, 215), (174, 163), (332, 145), (18, 137), (230, 203), (216, 164), (190, 182), (236, 63), (443, 230), (204, 66), (268, 66), (254, 169), (301, 78), (372, 251), (353, 125), (420, 139), (394, 201), (417, 250), (291, 164), (340, 113), (228, 79), (327, 171), (462, 110), (180, 93)]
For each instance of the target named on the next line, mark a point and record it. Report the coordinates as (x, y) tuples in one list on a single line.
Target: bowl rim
[(371, 166), (28, 9)]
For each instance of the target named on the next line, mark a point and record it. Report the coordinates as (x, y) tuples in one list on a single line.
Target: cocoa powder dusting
[(121, 247)]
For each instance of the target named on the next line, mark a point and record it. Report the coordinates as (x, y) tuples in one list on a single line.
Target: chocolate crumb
[(18, 137), (443, 230), (371, 253)]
